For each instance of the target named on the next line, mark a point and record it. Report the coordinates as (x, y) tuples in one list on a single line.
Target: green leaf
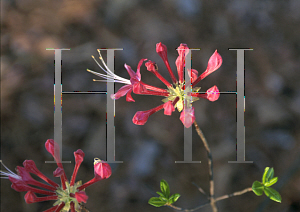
[(165, 189), (174, 198), (272, 194), (258, 188), (163, 199), (265, 174), (271, 182), (270, 174), (156, 201), (160, 194)]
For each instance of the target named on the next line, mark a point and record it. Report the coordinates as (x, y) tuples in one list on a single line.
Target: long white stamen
[(101, 75), (95, 80), (110, 75), (9, 173), (101, 58), (110, 78)]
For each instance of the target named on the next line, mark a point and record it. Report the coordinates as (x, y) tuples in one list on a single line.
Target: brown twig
[(188, 210), (237, 193), (212, 200), (210, 165), (200, 189), (83, 208)]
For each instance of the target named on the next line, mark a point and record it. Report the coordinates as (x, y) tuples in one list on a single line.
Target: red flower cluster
[(68, 195), (175, 92)]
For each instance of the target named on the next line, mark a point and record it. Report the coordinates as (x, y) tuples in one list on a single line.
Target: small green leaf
[(265, 174), (270, 174), (174, 198), (163, 199), (165, 189), (271, 182), (258, 188), (156, 201), (272, 194), (160, 194)]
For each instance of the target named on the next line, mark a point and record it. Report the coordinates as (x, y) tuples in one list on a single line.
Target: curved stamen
[(9, 173)]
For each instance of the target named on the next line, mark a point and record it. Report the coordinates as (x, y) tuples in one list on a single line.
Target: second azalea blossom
[(174, 95), (69, 195)]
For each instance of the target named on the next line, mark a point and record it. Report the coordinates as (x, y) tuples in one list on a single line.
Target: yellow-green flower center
[(64, 196), (177, 91)]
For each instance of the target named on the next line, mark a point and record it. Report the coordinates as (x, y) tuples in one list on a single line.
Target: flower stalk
[(210, 169)]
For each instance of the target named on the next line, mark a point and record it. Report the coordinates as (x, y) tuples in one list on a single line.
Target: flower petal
[(140, 117), (52, 147), (188, 117), (194, 74), (168, 108), (131, 73), (79, 155), (213, 93), (129, 97), (122, 91), (102, 169), (58, 172), (26, 177), (138, 73), (81, 196), (31, 167), (161, 50), (152, 67), (138, 88), (18, 185), (215, 61), (182, 51), (30, 197)]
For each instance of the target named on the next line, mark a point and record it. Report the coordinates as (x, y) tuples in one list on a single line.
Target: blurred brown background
[(272, 114)]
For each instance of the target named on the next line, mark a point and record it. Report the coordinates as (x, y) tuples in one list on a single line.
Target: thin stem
[(212, 201), (200, 189), (83, 208), (188, 210), (210, 170), (237, 193)]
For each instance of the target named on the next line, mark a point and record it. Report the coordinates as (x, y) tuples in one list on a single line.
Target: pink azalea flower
[(68, 196), (174, 93), (134, 85)]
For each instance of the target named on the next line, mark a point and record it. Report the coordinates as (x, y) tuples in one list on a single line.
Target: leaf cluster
[(164, 196), (268, 180)]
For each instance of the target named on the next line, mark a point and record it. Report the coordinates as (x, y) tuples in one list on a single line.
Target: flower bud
[(79, 155), (187, 117), (213, 93), (102, 169), (58, 172), (141, 117), (30, 197), (161, 50), (214, 62)]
